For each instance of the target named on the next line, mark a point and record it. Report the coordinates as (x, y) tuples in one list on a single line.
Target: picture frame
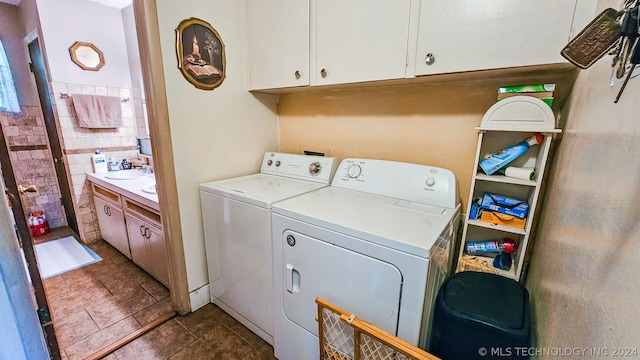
[(200, 52), (86, 55)]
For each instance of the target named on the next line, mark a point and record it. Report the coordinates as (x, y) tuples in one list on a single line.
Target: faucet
[(147, 169)]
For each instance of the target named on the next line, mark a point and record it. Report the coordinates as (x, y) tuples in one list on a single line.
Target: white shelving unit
[(505, 124)]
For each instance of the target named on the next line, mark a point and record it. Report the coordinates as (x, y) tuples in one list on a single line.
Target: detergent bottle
[(496, 161)]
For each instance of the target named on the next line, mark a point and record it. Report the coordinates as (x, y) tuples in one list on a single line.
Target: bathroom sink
[(128, 174), (150, 189)]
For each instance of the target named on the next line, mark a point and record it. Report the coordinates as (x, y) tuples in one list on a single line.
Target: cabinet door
[(138, 243), (360, 40), (278, 43), (112, 225), (158, 258), (466, 35)]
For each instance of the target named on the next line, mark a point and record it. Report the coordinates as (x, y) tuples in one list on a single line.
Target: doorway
[(39, 73), (23, 234)]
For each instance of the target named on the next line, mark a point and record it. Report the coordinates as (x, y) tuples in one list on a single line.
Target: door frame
[(148, 32), (38, 69), (26, 240)]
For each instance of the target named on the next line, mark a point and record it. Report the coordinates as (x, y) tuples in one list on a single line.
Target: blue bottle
[(500, 159)]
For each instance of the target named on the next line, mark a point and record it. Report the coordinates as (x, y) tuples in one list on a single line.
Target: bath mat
[(59, 256)]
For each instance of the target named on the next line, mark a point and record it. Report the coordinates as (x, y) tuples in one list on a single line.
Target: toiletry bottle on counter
[(491, 247), (500, 159), (114, 164), (99, 162)]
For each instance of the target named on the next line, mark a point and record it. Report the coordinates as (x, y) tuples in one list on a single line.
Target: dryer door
[(360, 284)]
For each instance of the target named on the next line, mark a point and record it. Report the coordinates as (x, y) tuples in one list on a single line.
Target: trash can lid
[(490, 298)]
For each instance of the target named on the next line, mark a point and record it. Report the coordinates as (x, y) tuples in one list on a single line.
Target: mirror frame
[(77, 59)]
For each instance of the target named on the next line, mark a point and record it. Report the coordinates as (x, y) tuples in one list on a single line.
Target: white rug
[(58, 256)]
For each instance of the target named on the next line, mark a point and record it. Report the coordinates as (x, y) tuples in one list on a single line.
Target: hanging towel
[(98, 111)]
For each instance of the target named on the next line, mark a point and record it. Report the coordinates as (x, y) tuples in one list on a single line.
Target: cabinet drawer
[(143, 213), (107, 195)]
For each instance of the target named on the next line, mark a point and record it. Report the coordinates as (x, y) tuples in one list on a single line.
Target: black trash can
[(481, 316)]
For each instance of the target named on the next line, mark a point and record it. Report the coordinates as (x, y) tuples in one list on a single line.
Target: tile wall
[(26, 139), (79, 144)]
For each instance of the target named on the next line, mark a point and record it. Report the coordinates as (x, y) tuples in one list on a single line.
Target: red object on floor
[(40, 229)]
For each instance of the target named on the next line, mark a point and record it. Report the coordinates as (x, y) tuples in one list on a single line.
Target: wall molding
[(103, 150)]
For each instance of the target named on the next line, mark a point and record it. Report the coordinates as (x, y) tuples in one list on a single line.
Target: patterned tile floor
[(100, 303)]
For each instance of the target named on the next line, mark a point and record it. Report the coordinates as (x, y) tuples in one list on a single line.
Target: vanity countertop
[(128, 187)]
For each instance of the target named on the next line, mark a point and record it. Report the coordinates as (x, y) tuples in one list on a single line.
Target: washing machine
[(237, 230), (378, 243)]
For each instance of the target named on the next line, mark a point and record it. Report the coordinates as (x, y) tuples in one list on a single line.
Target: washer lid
[(260, 189), (406, 226)]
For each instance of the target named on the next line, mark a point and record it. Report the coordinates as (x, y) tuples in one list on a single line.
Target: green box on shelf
[(543, 92)]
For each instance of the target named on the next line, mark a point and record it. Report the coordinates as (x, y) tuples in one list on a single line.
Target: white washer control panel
[(412, 182), (304, 167)]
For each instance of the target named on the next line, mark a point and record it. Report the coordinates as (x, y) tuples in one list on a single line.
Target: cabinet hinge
[(44, 315)]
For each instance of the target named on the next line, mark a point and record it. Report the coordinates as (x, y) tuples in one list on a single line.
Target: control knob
[(314, 168), (430, 182), (354, 171)]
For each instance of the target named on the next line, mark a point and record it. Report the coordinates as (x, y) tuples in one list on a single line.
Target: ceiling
[(118, 4)]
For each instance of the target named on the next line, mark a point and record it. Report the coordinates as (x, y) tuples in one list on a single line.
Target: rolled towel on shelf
[(98, 111), (524, 173)]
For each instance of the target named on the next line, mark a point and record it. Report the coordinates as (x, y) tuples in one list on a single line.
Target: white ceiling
[(118, 4)]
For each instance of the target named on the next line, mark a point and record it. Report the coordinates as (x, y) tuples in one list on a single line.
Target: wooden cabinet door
[(138, 243), (278, 43), (359, 40), (467, 35), (159, 260), (112, 225)]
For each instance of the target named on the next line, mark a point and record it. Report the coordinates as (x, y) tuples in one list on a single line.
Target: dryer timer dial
[(314, 168), (354, 171)]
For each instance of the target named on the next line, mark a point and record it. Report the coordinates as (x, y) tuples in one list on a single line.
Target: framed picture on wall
[(200, 53)]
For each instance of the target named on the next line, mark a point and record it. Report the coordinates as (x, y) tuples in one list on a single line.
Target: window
[(8, 95)]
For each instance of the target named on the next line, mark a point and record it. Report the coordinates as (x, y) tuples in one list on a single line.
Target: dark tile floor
[(101, 303)]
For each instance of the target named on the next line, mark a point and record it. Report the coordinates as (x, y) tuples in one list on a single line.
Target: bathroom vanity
[(129, 218)]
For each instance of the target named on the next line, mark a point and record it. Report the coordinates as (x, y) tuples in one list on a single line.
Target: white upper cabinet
[(278, 43), (297, 43), (358, 40), (468, 35)]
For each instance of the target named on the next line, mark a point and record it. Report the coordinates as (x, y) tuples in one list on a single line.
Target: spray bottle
[(500, 159)]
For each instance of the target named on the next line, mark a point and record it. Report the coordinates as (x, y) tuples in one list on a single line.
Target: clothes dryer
[(378, 243), (237, 229)]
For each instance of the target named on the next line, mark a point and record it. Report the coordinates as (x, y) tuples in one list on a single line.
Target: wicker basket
[(344, 336)]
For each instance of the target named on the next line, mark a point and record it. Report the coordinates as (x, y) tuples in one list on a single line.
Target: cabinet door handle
[(108, 211), (142, 230), (430, 59), (148, 233), (323, 73), (297, 74), (104, 209)]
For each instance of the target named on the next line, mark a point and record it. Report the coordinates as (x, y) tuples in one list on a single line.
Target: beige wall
[(584, 268), (432, 124), (215, 134)]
